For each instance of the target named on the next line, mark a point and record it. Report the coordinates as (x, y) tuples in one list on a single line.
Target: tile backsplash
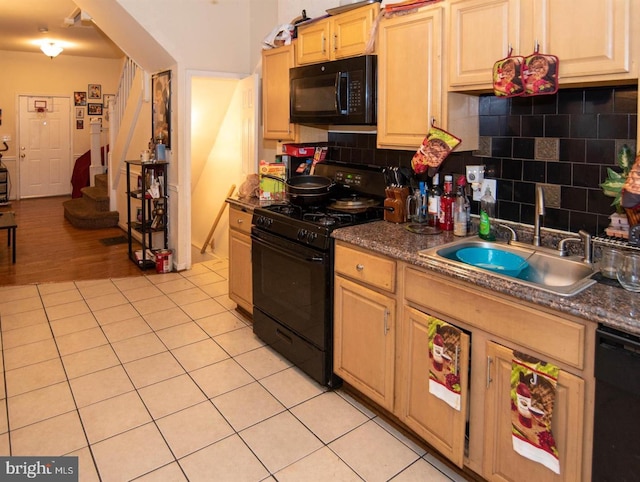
[(565, 141)]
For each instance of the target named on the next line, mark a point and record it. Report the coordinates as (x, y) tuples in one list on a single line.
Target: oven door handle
[(316, 259)]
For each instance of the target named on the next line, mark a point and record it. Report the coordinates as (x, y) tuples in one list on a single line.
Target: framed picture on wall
[(79, 124), (80, 98), (94, 109), (79, 112), (95, 91), (161, 115)]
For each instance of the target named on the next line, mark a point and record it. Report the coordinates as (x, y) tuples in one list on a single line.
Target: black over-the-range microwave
[(339, 92)]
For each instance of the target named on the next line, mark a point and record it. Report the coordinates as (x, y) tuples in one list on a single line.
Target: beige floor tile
[(221, 323), (117, 313), (180, 335), (97, 288), (68, 309), (131, 454), (106, 301), (55, 436), (194, 428), (21, 305), (169, 473), (444, 469), (125, 284), (9, 294), (280, 441), (153, 305), (4, 423), (164, 319), (262, 362), (5, 446), (225, 301), (28, 354), (227, 460), (344, 416), (121, 330), (420, 471), (143, 293), (216, 289), (321, 465), (373, 453), (206, 278), (175, 284), (292, 386), (196, 269), (23, 319), (99, 386), (160, 278), (221, 377), (81, 340), (400, 436), (73, 324), (89, 361), (170, 396), (138, 347), (153, 369), (187, 296), (50, 288), (35, 376), (113, 416), (247, 406), (199, 354), (39, 405), (239, 341), (61, 297), (26, 335), (202, 309), (86, 467)]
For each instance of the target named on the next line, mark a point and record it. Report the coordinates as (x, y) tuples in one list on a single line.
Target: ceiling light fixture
[(51, 49)]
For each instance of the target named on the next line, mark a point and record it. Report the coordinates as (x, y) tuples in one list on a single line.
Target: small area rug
[(113, 241)]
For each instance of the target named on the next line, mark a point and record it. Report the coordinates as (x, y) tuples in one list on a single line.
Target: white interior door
[(45, 146), (250, 88)]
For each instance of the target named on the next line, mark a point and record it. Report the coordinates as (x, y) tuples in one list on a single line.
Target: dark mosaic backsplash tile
[(566, 140)]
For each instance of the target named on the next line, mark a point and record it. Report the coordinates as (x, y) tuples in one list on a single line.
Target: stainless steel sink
[(546, 271)]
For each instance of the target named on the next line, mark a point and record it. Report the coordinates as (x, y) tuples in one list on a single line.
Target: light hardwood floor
[(50, 249)]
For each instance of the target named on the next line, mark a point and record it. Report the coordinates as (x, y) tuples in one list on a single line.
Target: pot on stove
[(306, 190)]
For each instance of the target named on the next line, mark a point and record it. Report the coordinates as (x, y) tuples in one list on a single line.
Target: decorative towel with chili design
[(444, 369), (533, 393)]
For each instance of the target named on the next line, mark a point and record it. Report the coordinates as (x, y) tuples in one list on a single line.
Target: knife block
[(394, 210)]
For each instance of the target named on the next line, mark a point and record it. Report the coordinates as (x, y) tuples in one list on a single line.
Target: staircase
[(91, 211)]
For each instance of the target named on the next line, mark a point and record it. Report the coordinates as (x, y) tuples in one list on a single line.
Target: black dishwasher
[(616, 435)]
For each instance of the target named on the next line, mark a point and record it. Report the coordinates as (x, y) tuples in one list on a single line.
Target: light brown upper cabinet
[(275, 93), (336, 37), (595, 40)]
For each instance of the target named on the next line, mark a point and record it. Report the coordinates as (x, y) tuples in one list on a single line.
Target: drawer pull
[(240, 221), (489, 379), (386, 322), (359, 267)]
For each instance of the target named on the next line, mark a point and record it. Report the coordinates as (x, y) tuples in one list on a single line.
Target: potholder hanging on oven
[(507, 76), (433, 150), (540, 74)]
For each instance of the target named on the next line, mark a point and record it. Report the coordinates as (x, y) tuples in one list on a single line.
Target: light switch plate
[(492, 184)]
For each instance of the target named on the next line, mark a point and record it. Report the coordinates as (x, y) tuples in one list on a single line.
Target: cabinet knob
[(240, 221), (359, 267)]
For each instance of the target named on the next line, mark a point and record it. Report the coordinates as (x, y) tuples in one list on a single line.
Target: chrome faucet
[(539, 212), (585, 239)]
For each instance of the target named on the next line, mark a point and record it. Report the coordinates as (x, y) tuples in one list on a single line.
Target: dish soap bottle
[(487, 211)]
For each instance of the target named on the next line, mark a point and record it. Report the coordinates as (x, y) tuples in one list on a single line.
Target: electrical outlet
[(475, 174), (491, 184)]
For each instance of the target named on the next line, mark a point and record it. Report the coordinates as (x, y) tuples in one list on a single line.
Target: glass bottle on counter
[(461, 209), (446, 204), (433, 202)]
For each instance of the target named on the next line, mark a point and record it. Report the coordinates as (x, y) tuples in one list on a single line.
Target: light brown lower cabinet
[(240, 276), (501, 462), (435, 421)]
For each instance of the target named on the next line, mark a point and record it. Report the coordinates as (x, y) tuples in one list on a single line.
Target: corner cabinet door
[(275, 93), (364, 340), (435, 421), (409, 78), (591, 38), (480, 33), (501, 462)]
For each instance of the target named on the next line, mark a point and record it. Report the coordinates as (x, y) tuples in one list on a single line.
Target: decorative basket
[(633, 215)]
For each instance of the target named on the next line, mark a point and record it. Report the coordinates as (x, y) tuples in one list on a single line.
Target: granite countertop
[(247, 203), (605, 302)]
